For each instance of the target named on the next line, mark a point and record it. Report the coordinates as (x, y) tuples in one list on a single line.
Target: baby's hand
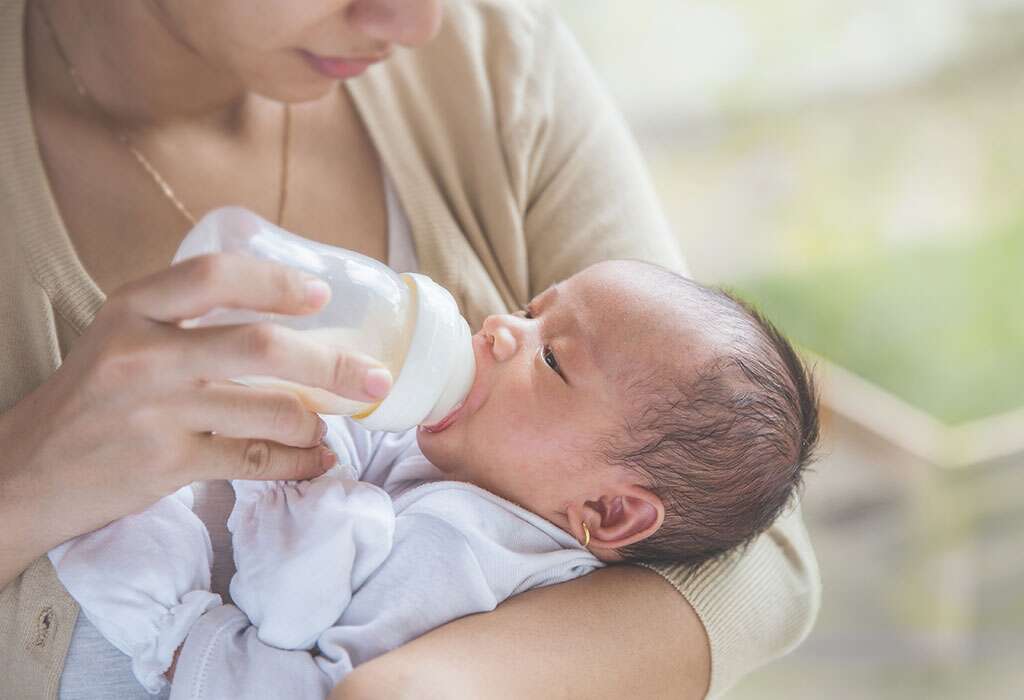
[(143, 581), (301, 549)]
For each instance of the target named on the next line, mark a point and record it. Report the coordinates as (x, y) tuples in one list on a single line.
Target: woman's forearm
[(622, 630), (18, 548), (23, 508)]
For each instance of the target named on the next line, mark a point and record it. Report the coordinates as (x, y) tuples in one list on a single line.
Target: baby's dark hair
[(726, 448)]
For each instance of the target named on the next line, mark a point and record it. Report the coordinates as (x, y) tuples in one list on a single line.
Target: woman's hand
[(141, 407)]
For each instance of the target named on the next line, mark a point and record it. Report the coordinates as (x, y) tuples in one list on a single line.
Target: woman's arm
[(621, 631)]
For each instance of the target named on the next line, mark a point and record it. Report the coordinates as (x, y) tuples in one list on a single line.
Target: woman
[(488, 159)]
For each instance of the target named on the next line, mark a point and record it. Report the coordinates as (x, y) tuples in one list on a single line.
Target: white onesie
[(350, 565)]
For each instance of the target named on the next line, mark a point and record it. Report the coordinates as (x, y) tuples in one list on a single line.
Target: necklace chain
[(125, 138)]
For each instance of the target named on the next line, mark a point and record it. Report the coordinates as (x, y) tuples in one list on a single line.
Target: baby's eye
[(549, 359), (525, 311)]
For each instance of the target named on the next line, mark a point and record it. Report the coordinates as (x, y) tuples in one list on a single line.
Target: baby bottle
[(407, 322)]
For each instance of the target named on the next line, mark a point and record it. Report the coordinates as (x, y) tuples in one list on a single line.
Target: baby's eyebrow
[(533, 306), (547, 294)]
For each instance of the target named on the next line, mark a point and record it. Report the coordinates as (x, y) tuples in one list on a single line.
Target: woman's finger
[(235, 411), (198, 285), (218, 457), (266, 349)]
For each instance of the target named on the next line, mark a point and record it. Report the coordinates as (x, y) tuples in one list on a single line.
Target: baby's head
[(670, 418)]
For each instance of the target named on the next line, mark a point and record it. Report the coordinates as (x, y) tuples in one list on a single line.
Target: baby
[(626, 414)]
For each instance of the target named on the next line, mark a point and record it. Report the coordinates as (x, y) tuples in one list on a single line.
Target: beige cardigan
[(515, 171)]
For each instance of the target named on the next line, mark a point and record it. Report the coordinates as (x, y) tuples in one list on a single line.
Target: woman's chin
[(306, 92), (292, 89)]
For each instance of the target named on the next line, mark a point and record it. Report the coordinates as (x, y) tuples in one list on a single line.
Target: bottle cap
[(439, 365)]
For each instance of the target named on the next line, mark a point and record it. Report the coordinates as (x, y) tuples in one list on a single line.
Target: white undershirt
[(401, 250)]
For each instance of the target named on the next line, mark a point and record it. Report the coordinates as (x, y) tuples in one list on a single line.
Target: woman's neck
[(137, 69)]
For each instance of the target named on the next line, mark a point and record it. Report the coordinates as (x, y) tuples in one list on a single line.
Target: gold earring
[(586, 535)]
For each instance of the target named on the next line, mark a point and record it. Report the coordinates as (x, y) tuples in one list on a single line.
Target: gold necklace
[(141, 159)]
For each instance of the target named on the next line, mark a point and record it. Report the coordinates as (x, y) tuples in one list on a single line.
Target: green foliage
[(941, 327)]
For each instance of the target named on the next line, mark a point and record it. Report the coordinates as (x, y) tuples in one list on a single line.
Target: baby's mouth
[(444, 422), (473, 398)]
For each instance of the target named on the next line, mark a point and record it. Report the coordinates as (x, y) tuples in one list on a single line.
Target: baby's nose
[(500, 334)]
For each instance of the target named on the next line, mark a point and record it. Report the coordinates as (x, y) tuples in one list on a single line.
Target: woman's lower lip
[(338, 68)]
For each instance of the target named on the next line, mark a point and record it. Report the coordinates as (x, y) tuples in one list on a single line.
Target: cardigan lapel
[(28, 203)]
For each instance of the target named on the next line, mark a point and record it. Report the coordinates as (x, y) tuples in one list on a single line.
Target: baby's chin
[(432, 445)]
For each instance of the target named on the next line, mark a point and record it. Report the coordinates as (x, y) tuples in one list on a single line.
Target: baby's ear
[(627, 515)]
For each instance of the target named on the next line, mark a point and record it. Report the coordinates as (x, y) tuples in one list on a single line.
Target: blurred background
[(856, 168)]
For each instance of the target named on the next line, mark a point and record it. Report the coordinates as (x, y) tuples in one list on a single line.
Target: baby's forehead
[(616, 286), (636, 323), (626, 298)]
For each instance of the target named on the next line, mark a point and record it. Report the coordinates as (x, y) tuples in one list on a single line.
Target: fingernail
[(321, 431), (317, 292), (377, 382), (327, 458)]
